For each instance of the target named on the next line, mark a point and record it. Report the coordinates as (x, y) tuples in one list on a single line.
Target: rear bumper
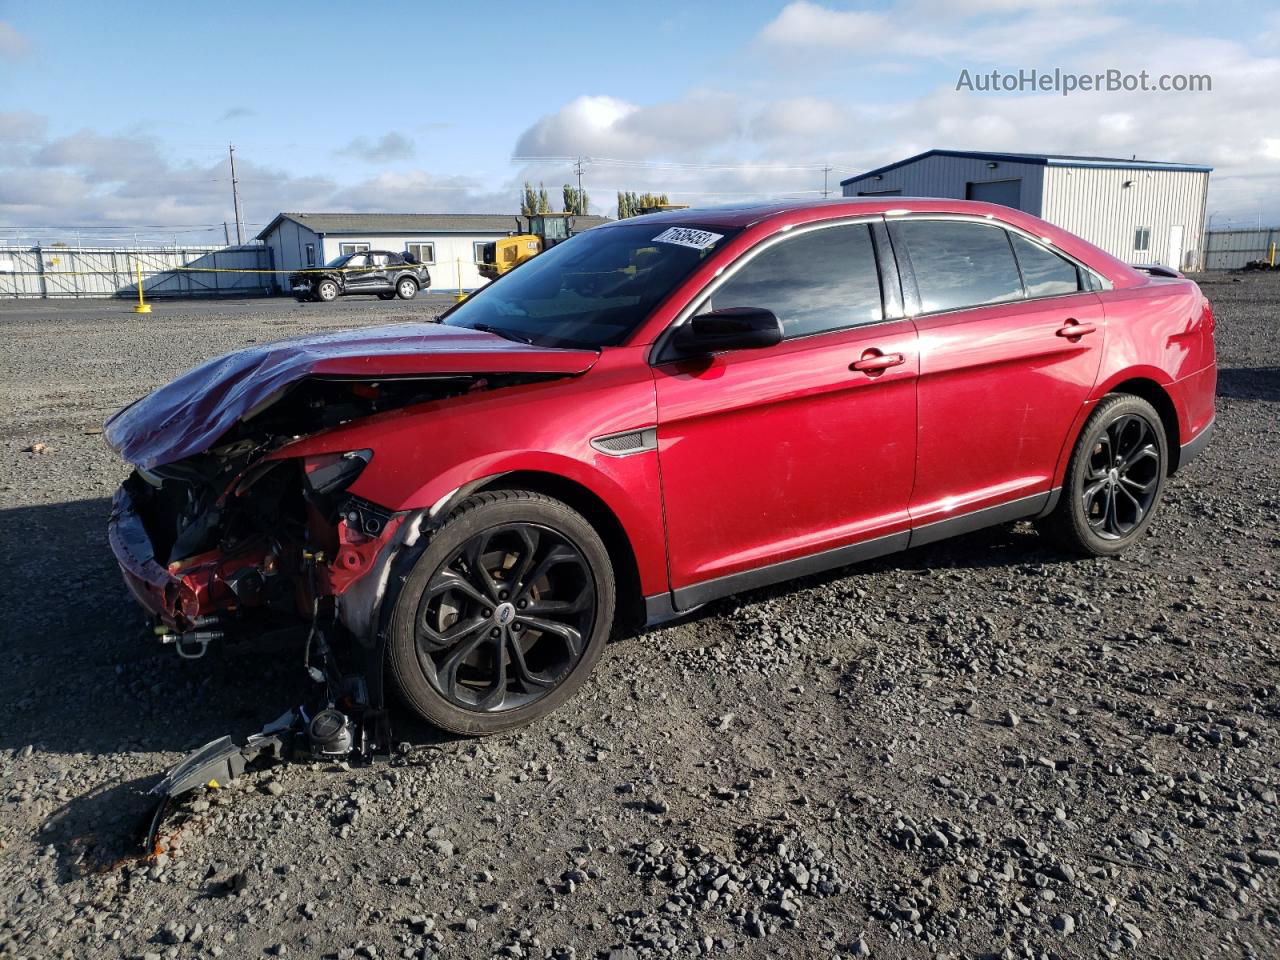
[(1192, 448)]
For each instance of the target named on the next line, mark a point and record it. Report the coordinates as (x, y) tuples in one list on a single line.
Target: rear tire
[(1114, 481), (503, 616)]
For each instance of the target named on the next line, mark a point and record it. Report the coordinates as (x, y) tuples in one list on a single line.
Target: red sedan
[(656, 413)]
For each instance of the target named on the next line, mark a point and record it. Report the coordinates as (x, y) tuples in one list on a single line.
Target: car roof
[(782, 214), (748, 214)]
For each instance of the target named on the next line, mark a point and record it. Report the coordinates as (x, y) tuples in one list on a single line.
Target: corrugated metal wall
[(112, 271), (948, 176), (1090, 202), (1095, 204), (1232, 249)]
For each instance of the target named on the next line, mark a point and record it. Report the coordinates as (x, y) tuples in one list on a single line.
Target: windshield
[(592, 290), (339, 261)]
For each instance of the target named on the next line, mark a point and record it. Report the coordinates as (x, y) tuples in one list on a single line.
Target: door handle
[(1074, 330), (874, 362)]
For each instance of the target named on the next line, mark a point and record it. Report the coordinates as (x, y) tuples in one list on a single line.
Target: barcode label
[(688, 237)]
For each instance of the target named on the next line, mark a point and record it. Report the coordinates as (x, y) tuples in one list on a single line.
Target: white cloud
[(805, 24), (13, 45), (93, 180), (587, 125), (389, 146), (1231, 128)]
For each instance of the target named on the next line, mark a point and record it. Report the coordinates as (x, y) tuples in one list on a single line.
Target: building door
[(1175, 247), (1007, 193)]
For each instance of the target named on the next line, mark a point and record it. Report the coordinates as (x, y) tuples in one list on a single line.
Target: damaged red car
[(656, 413)]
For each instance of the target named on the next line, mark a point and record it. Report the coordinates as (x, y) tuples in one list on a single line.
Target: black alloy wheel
[(1123, 477), (504, 620), (1114, 479), (503, 615)]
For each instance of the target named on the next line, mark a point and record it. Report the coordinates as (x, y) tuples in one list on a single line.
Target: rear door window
[(1044, 273), (960, 264), (821, 280)]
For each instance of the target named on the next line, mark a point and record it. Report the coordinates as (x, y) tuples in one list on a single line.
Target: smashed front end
[(222, 531), (235, 540)]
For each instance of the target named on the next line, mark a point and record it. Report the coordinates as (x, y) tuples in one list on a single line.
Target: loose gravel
[(975, 748)]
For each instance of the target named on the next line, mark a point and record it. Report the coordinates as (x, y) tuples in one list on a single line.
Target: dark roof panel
[(1042, 159)]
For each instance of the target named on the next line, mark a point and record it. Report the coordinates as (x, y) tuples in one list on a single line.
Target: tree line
[(575, 201)]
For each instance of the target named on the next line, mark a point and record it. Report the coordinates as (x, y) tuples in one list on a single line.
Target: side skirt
[(664, 607), (1032, 506), (696, 594)]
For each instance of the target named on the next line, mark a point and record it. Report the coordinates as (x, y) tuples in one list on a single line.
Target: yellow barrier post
[(460, 295), (1273, 254), (142, 306)]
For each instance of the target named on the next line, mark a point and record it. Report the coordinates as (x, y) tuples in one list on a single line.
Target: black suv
[(371, 271)]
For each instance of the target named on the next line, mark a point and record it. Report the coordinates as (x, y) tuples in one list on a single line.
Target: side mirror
[(733, 328)]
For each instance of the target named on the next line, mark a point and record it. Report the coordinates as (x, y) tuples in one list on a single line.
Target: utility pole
[(226, 234), (825, 191), (578, 167), (235, 195)]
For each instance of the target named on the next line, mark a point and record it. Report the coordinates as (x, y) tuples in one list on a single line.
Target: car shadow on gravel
[(1250, 383), (1007, 545)]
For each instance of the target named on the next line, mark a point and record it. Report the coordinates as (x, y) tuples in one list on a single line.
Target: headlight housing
[(326, 474)]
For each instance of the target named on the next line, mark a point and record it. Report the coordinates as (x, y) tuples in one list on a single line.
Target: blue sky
[(117, 116)]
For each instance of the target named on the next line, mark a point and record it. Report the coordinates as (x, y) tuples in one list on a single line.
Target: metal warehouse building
[(447, 242), (1140, 211)]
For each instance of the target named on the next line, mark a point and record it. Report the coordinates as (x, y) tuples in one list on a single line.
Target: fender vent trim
[(627, 443)]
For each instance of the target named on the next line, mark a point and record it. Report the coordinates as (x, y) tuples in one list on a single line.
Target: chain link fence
[(62, 271)]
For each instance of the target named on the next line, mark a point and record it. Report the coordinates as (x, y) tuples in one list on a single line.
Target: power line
[(670, 164)]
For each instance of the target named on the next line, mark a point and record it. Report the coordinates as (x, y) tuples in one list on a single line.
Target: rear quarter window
[(1044, 273)]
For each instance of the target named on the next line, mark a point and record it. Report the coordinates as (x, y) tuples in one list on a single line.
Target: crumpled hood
[(190, 414)]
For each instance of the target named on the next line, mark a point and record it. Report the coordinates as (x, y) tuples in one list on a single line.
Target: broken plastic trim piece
[(216, 764)]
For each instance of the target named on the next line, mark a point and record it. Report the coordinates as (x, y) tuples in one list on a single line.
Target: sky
[(115, 118)]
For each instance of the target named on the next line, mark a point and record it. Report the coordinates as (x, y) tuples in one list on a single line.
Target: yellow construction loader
[(545, 231)]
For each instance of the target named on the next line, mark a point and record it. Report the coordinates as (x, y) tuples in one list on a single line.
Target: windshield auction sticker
[(688, 237)]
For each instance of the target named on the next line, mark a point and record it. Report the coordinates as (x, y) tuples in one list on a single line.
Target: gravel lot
[(974, 748)]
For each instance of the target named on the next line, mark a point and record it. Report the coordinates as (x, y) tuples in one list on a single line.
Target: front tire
[(407, 288), (1115, 479), (327, 291), (386, 296), (504, 614)]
